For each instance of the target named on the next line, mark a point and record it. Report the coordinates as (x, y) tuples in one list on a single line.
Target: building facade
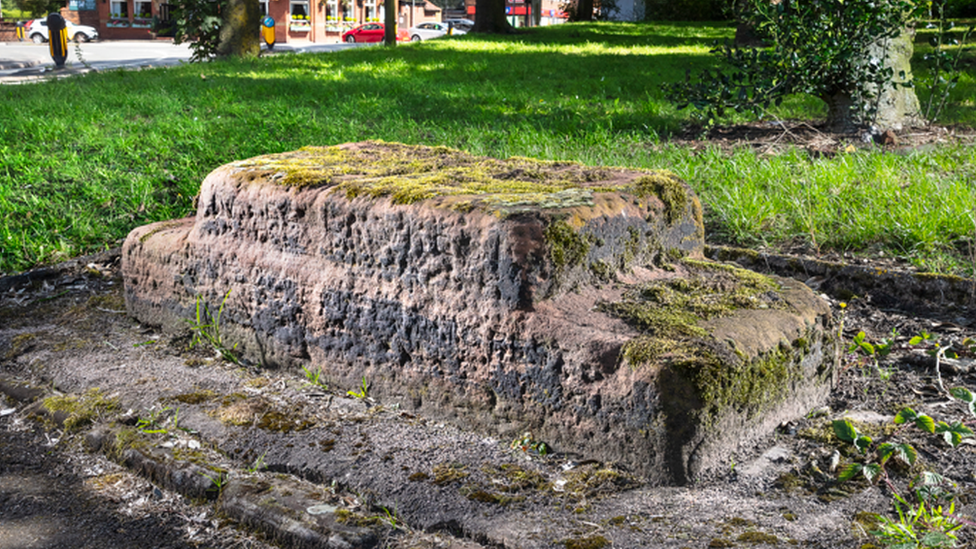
[(296, 21)]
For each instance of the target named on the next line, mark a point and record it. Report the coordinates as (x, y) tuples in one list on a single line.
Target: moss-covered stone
[(408, 174)]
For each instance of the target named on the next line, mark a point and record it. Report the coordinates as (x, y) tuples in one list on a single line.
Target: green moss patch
[(669, 312), (408, 174), (81, 410)]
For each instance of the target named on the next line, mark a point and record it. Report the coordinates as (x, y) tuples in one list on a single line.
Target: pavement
[(26, 61)]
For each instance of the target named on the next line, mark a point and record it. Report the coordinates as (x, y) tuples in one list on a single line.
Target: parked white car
[(426, 31), (37, 31), (463, 24)]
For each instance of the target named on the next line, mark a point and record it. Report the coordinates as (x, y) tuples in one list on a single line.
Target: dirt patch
[(773, 137), (446, 486)]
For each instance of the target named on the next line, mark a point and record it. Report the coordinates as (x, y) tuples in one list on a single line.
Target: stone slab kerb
[(476, 290)]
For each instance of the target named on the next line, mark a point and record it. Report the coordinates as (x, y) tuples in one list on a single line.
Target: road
[(21, 61)]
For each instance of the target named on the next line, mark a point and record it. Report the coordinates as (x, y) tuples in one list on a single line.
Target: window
[(120, 9), (332, 10), (144, 9), (299, 11), (369, 10), (263, 6)]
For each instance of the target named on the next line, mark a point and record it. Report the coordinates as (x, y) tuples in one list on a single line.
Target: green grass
[(84, 160)]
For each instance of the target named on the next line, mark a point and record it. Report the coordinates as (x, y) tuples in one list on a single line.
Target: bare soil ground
[(443, 487)]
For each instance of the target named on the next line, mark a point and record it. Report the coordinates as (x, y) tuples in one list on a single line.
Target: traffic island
[(510, 296)]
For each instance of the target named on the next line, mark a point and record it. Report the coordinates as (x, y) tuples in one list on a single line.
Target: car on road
[(37, 31), (460, 24), (426, 31), (371, 32)]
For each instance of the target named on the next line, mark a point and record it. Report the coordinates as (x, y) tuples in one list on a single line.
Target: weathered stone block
[(509, 295)]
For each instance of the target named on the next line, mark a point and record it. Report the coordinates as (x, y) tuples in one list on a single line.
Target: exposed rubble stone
[(508, 295)]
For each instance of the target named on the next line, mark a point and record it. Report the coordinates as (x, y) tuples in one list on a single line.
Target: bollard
[(57, 35), (268, 31), (20, 31)]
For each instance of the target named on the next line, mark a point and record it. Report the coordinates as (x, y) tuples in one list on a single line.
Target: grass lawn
[(84, 160)]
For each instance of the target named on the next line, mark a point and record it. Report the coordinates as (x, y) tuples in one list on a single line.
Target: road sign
[(268, 31)]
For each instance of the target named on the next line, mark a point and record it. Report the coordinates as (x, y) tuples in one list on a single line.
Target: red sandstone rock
[(490, 292)]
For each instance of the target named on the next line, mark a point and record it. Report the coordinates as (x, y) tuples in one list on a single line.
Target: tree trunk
[(840, 113), (898, 106), (489, 17), (390, 22), (240, 35), (584, 10)]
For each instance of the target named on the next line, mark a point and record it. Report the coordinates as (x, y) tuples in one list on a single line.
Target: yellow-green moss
[(446, 473), (669, 189), (81, 410), (592, 542), (19, 344), (669, 311), (669, 314), (566, 245), (758, 538), (197, 397), (281, 422), (408, 174), (125, 439), (590, 481)]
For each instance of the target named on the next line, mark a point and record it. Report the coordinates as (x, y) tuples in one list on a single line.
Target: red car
[(371, 32)]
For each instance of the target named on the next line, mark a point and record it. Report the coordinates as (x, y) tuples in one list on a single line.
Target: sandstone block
[(507, 295)]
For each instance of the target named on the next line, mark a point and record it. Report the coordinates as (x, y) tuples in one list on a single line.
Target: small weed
[(153, 423), (206, 328), (258, 464), (363, 394), (218, 480), (315, 378), (925, 524)]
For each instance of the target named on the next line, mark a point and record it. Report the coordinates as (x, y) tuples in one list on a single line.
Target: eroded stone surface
[(510, 296)]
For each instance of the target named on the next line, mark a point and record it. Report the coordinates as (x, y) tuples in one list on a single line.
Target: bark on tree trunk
[(390, 22), (240, 35), (898, 106), (840, 113), (584, 10), (489, 17)]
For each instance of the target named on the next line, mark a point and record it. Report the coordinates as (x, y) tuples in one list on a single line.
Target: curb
[(11, 65), (286, 510), (913, 292)]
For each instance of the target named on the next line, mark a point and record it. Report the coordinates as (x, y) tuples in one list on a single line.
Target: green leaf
[(849, 471), (871, 471), (905, 415), (906, 452), (845, 430), (962, 394), (885, 451), (863, 442), (925, 423)]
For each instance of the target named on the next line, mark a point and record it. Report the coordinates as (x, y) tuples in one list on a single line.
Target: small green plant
[(953, 434), (258, 464), (152, 424), (873, 352), (926, 524), (206, 328), (218, 480), (362, 394), (315, 378)]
